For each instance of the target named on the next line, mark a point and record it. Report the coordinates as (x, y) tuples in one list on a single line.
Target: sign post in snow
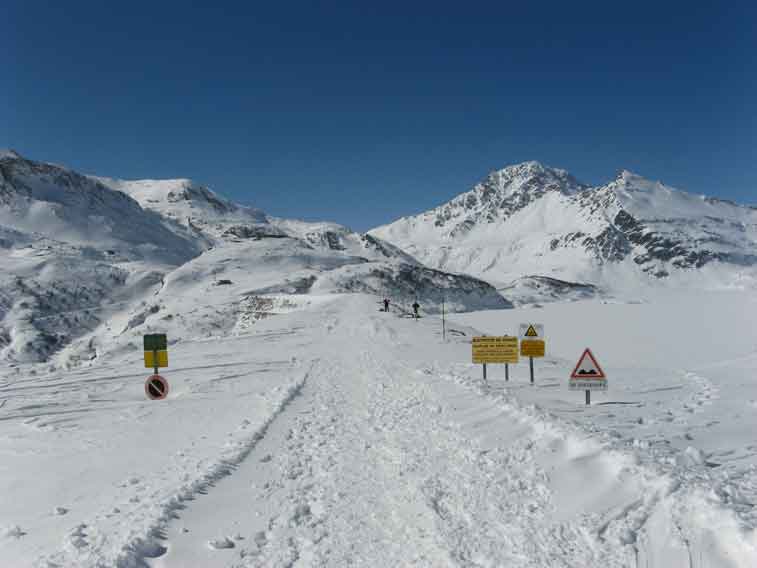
[(588, 375), (532, 343), (494, 349), (156, 356), (444, 323)]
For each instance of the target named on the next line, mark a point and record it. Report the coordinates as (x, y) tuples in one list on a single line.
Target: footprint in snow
[(78, 537), (13, 531), (60, 510), (260, 539), (221, 543), (301, 514), (151, 549)]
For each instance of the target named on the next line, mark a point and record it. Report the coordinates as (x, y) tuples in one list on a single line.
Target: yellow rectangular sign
[(162, 361), (495, 349), (532, 347)]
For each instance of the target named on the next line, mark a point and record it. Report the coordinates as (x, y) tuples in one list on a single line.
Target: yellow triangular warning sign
[(531, 332)]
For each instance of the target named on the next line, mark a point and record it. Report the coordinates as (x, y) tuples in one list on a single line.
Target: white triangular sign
[(588, 367)]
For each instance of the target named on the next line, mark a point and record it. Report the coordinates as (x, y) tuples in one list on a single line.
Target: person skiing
[(416, 305), (386, 304)]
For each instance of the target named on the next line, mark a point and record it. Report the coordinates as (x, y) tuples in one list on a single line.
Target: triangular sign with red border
[(588, 367)]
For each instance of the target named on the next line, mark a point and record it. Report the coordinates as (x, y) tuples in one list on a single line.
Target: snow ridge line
[(687, 498), (140, 547)]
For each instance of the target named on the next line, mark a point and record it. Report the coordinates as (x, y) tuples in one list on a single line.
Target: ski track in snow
[(86, 547)]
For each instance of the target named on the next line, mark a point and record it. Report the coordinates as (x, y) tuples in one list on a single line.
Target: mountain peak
[(529, 177), (8, 153), (627, 176), (627, 180), (528, 165), (530, 168)]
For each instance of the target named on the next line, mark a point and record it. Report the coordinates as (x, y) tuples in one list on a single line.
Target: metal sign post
[(444, 325)]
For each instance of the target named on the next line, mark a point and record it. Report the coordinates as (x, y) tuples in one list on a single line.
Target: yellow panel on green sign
[(162, 361), (532, 348), (495, 350)]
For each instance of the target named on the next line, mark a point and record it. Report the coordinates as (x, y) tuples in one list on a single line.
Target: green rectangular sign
[(156, 342)]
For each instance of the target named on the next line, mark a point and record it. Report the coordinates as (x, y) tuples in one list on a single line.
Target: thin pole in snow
[(531, 366), (507, 372), (484, 372), (444, 325), (588, 397)]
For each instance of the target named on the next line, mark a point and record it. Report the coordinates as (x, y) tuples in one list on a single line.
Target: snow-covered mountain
[(55, 202), (531, 220), (90, 263)]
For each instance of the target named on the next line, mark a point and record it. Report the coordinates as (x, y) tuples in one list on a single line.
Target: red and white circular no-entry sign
[(156, 387)]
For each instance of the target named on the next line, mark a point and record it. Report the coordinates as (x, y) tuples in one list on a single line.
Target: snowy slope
[(73, 252), (206, 213), (58, 203), (533, 220), (90, 263), (189, 204)]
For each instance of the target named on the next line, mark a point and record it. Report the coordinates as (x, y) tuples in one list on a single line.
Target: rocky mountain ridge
[(531, 219)]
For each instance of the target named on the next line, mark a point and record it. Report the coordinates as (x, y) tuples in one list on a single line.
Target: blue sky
[(361, 112)]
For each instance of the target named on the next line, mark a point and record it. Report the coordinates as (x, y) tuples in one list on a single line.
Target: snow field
[(332, 434), (401, 461), (121, 465)]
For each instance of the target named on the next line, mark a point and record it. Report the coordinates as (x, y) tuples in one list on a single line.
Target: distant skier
[(386, 304), (416, 306)]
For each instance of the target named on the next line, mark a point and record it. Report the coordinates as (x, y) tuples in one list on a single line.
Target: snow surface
[(331, 434)]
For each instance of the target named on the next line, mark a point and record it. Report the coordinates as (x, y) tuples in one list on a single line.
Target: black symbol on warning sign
[(589, 372), (531, 332), (156, 387)]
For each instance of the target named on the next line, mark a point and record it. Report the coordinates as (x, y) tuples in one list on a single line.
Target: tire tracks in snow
[(86, 546), (346, 500)]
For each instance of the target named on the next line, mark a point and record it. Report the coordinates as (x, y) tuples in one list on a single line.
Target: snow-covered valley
[(306, 427)]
